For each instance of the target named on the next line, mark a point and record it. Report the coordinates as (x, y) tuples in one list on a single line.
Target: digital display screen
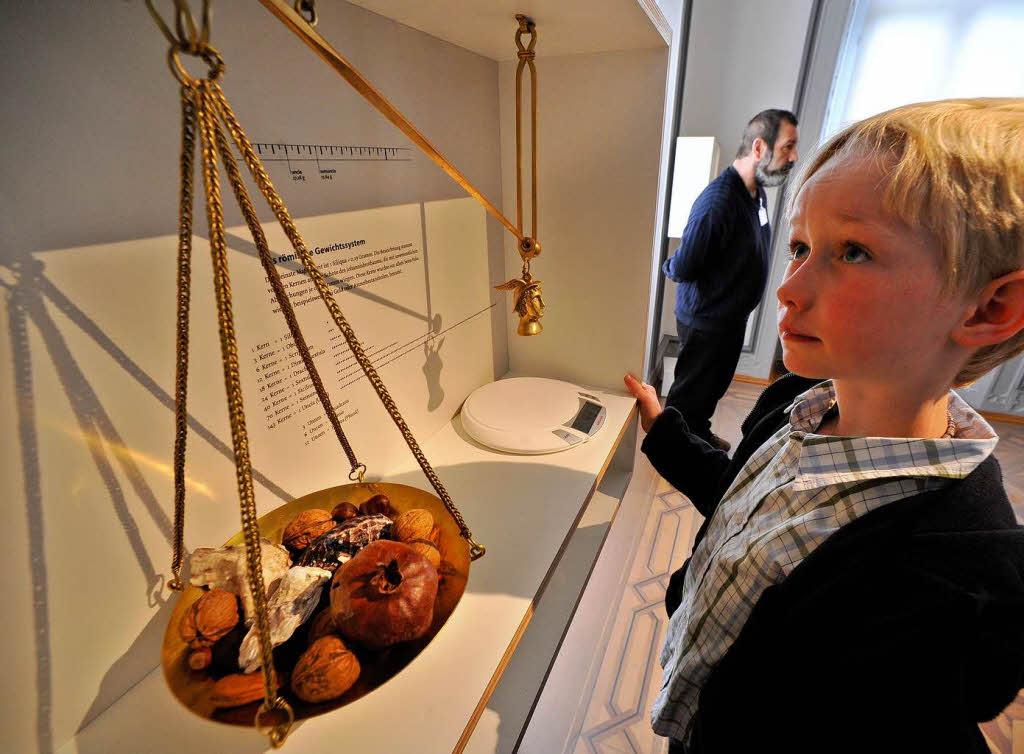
[(584, 420)]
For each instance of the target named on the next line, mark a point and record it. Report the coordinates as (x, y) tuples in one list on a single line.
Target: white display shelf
[(524, 509), (565, 27)]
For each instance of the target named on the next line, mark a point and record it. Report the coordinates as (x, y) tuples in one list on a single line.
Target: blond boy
[(858, 583)]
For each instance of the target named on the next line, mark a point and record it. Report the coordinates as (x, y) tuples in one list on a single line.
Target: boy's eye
[(855, 253), (797, 249)]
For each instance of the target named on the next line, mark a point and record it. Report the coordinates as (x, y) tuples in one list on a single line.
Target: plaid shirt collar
[(826, 460)]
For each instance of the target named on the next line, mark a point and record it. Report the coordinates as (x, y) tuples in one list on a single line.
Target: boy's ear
[(997, 313)]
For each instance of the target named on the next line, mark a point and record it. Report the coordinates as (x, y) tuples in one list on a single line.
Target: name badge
[(762, 213)]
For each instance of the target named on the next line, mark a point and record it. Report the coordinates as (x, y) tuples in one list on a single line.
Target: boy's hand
[(647, 396)]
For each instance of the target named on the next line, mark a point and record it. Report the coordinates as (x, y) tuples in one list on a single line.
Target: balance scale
[(532, 415)]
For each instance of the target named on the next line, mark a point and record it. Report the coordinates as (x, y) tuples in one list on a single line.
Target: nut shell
[(306, 527), (427, 549), (344, 511), (209, 618), (325, 671), (237, 689), (413, 524)]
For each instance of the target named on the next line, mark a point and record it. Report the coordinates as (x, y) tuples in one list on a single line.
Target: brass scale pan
[(192, 688)]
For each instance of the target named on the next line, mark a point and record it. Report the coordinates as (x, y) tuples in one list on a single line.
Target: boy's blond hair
[(956, 170)]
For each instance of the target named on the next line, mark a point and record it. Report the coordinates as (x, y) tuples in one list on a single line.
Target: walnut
[(427, 549), (414, 524), (209, 618), (325, 671), (237, 689), (306, 527)]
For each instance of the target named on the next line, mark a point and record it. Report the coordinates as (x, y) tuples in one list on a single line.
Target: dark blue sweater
[(722, 263)]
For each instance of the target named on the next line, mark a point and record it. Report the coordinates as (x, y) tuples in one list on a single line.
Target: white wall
[(742, 58), (600, 122)]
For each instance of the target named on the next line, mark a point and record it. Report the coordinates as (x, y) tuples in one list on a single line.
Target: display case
[(88, 320)]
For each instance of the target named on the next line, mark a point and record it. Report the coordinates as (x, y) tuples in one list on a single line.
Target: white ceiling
[(564, 27)]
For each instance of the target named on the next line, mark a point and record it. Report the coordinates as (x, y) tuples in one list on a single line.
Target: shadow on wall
[(27, 300), (433, 365)]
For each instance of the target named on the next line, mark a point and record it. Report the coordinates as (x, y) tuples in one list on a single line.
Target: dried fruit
[(325, 671), (344, 511), (413, 524), (321, 625), (377, 504), (384, 595), (345, 540), (427, 549), (209, 618), (306, 527), (237, 689)]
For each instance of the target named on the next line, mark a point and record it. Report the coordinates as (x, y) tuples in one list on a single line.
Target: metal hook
[(304, 7), (164, 28), (184, 14), (192, 41)]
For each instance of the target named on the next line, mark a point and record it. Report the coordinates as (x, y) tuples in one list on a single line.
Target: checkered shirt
[(793, 493)]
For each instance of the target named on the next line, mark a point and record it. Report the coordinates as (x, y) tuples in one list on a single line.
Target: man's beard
[(769, 178)]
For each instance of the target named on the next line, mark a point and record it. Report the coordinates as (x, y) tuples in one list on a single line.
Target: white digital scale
[(532, 415)]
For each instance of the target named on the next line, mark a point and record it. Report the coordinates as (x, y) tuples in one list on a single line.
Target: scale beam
[(287, 15)]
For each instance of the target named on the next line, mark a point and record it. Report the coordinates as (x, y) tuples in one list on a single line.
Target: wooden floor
[(614, 711)]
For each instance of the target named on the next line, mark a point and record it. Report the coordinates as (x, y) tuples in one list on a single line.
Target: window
[(902, 51)]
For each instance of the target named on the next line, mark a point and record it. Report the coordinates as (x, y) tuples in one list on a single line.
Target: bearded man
[(722, 268)]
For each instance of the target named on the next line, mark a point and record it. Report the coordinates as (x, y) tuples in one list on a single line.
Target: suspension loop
[(207, 53), (529, 248), (357, 473), (276, 732), (526, 55), (307, 9)]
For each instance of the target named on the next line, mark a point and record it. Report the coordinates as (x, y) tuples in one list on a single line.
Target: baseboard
[(751, 380)]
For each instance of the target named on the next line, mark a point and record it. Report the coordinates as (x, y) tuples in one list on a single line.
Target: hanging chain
[(188, 132), (260, 239), (232, 382), (284, 218), (528, 246)]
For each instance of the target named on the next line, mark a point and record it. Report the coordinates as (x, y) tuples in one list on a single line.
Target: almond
[(237, 689)]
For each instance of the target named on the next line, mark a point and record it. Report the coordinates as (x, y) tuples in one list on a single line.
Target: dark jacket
[(901, 632), (721, 264)]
